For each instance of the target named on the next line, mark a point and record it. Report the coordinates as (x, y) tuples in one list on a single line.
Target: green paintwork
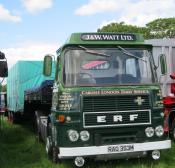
[(75, 39), (78, 125)]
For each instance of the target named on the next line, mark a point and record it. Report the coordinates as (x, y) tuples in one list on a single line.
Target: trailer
[(166, 47), (38, 101), (23, 75), (105, 101)]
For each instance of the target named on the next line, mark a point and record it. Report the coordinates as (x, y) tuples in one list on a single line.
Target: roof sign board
[(108, 37)]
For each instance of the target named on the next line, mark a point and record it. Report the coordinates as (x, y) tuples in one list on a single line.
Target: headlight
[(73, 135), (149, 131), (84, 135), (159, 131)]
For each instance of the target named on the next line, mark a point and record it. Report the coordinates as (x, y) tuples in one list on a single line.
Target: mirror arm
[(157, 66)]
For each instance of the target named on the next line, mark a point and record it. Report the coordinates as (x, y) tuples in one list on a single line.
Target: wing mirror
[(3, 66), (47, 67), (2, 55), (163, 65)]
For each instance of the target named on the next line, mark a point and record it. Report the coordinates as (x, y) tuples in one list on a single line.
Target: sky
[(29, 29)]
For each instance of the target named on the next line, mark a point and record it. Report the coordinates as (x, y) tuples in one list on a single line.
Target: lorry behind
[(105, 101), (166, 47)]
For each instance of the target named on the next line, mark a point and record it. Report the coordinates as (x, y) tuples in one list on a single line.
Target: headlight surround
[(73, 135), (159, 131), (84, 135), (149, 131)]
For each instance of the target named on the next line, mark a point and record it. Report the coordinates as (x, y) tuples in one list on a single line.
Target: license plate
[(120, 148)]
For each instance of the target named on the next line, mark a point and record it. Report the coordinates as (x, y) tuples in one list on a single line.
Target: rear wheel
[(14, 118)]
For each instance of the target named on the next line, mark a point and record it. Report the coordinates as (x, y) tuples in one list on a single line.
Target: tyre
[(55, 154), (14, 118), (51, 149), (37, 126)]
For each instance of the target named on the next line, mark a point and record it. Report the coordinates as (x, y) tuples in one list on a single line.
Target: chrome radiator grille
[(117, 110)]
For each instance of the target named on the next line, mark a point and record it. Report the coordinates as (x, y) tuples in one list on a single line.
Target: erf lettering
[(116, 118), (101, 119), (133, 117)]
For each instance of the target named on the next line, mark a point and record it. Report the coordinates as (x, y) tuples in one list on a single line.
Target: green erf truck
[(105, 101)]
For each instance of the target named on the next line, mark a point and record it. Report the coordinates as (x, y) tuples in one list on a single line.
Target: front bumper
[(112, 149)]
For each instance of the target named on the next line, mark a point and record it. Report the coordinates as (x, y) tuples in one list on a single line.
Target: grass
[(19, 149)]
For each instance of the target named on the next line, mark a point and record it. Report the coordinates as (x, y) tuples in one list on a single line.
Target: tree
[(159, 28), (162, 28), (122, 27)]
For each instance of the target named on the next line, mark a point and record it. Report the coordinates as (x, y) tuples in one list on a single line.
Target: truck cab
[(106, 101)]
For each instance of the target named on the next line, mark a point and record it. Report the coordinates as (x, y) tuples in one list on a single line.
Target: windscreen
[(106, 66)]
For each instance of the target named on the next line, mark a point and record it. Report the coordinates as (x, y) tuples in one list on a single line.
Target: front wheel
[(51, 149), (37, 126), (55, 154)]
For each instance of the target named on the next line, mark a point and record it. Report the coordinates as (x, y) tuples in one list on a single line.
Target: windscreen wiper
[(130, 54), (93, 52)]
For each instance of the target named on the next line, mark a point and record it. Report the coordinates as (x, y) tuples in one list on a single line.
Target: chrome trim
[(115, 125), (70, 152)]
